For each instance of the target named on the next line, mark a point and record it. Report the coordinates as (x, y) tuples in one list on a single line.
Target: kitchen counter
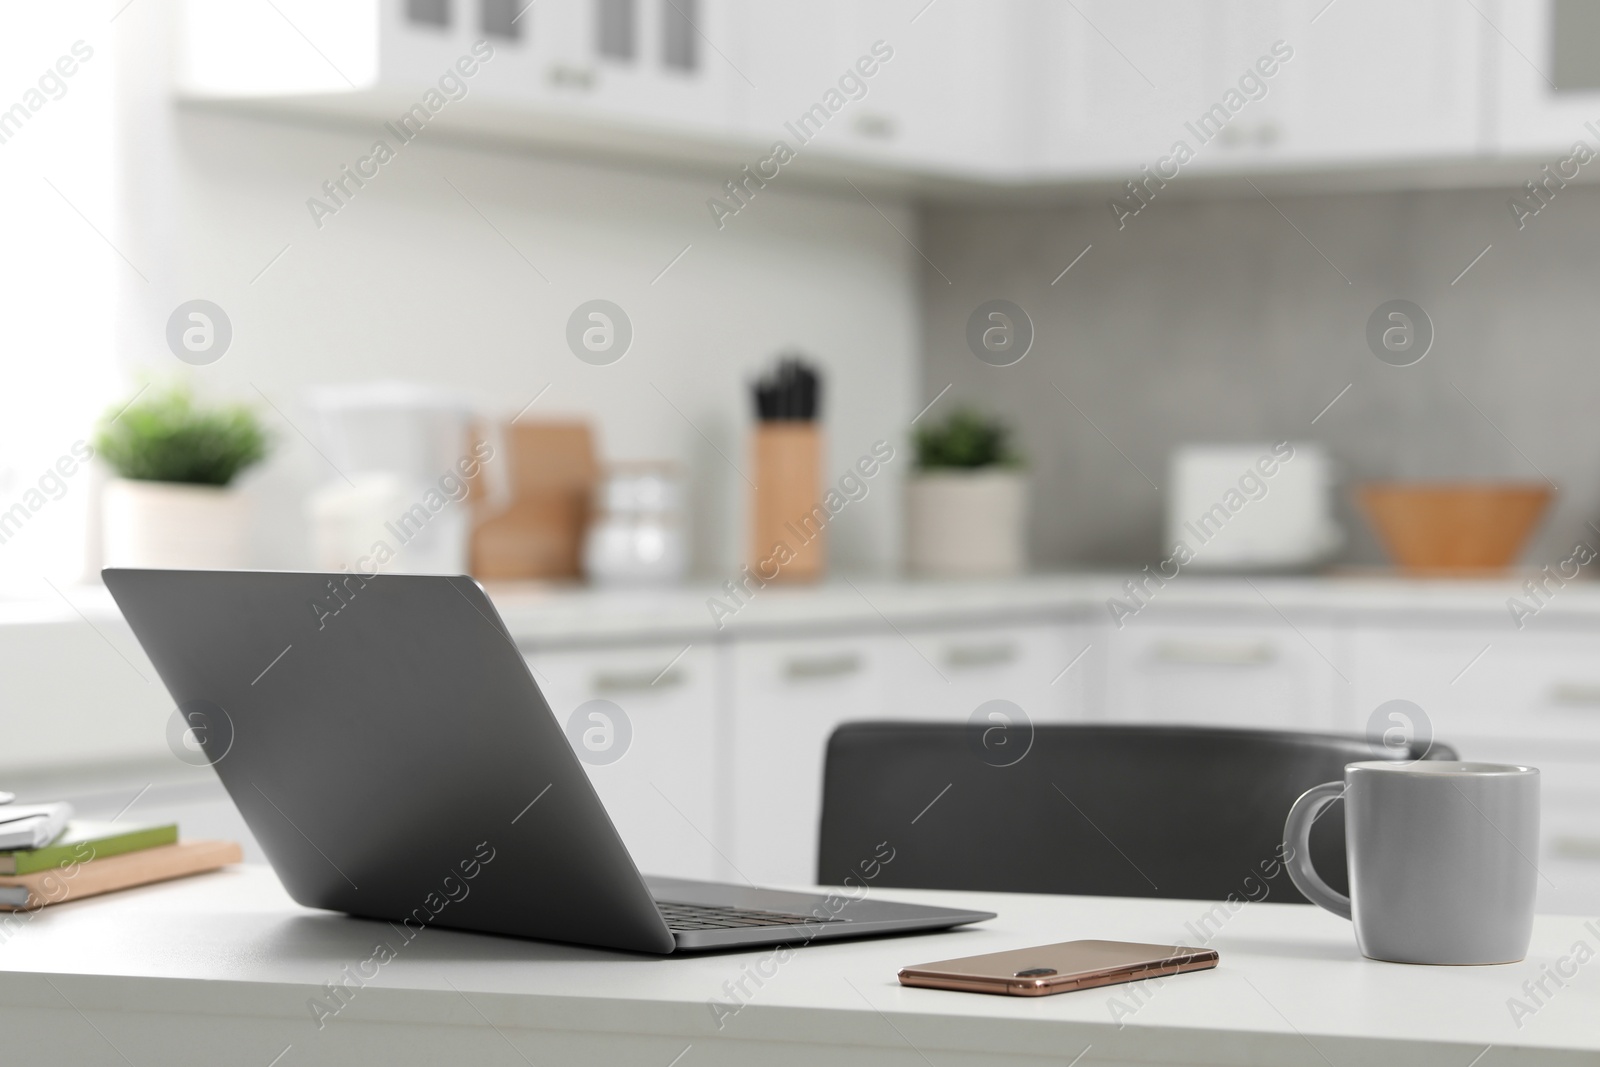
[(546, 614), (732, 723), (554, 613), (78, 689)]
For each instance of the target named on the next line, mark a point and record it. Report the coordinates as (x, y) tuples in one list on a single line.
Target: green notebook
[(101, 838)]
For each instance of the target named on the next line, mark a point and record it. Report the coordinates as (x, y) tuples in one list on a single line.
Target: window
[(504, 18), (618, 29), (60, 268), (428, 12), (679, 38)]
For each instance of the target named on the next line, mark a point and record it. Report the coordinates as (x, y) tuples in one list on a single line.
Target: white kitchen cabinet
[(792, 55), (1547, 62), (939, 88), (946, 673), (665, 62), (1026, 92), (1118, 81), (1368, 81), (1502, 695), (1253, 85), (661, 792), (1218, 672), (955, 98), (788, 695), (1492, 691), (654, 61), (492, 65), (1569, 847)]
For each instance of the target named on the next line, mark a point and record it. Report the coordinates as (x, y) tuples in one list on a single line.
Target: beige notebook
[(111, 873)]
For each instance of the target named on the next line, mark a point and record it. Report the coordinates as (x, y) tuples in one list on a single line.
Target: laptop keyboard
[(719, 917)]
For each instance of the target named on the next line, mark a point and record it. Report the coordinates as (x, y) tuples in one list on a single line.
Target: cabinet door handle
[(967, 657), (1576, 848), (636, 681), (563, 76), (876, 126), (1216, 654), (1576, 695), (809, 668)]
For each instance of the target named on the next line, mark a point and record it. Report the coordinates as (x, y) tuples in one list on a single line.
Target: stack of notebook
[(47, 857)]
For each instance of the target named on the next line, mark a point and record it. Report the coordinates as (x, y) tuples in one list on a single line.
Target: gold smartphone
[(1060, 968)]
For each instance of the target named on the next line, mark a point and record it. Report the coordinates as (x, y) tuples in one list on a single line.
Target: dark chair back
[(1107, 810)]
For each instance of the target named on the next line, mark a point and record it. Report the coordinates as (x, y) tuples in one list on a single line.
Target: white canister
[(637, 536), (168, 524)]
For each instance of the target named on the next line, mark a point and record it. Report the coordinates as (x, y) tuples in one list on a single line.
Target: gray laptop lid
[(386, 754)]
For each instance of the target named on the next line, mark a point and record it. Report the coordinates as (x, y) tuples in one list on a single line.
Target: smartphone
[(1059, 968)]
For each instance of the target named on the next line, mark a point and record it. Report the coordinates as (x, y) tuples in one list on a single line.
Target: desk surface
[(223, 968)]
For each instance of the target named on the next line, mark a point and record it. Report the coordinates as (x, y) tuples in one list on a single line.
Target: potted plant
[(967, 501), (171, 503)]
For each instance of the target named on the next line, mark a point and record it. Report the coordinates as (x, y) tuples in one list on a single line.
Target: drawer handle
[(637, 681), (1576, 848), (1222, 654), (875, 126), (566, 77), (814, 667), (1576, 694), (962, 657)]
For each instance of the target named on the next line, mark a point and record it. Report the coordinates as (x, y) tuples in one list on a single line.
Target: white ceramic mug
[(1441, 858)]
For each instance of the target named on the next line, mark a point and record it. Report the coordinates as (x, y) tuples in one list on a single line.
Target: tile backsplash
[(1242, 319)]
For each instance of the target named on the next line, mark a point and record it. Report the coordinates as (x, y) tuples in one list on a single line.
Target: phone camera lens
[(1035, 972)]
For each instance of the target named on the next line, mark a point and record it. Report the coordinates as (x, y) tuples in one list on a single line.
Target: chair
[(1107, 810)]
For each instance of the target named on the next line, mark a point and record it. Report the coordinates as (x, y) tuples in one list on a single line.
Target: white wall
[(410, 281)]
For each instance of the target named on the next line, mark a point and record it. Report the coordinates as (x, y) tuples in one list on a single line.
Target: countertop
[(222, 967), (559, 614), (548, 613)]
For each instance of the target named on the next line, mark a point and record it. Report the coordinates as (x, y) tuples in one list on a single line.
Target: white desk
[(219, 968)]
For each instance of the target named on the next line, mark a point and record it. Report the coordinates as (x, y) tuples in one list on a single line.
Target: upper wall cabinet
[(1118, 80), (1370, 81), (1547, 57), (1162, 86), (655, 61), (607, 68), (1026, 92), (905, 83)]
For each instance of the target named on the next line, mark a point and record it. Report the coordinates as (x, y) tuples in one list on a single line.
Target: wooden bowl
[(1457, 528)]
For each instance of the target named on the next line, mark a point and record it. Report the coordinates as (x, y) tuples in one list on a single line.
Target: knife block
[(788, 509)]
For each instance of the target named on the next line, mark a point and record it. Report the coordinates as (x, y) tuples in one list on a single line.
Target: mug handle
[(1297, 837)]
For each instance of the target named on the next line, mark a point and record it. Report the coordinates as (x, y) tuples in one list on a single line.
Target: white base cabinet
[(652, 749), (1222, 673), (722, 776), (1503, 695), (789, 694)]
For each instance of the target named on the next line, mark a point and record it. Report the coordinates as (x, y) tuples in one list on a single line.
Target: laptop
[(389, 748)]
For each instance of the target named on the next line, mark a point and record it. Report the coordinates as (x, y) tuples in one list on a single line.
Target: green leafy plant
[(966, 440), (164, 436)]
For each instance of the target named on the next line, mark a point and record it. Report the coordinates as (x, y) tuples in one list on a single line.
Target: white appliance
[(1250, 507)]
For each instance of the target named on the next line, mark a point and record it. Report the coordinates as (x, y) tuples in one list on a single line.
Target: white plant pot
[(165, 524), (967, 524)]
